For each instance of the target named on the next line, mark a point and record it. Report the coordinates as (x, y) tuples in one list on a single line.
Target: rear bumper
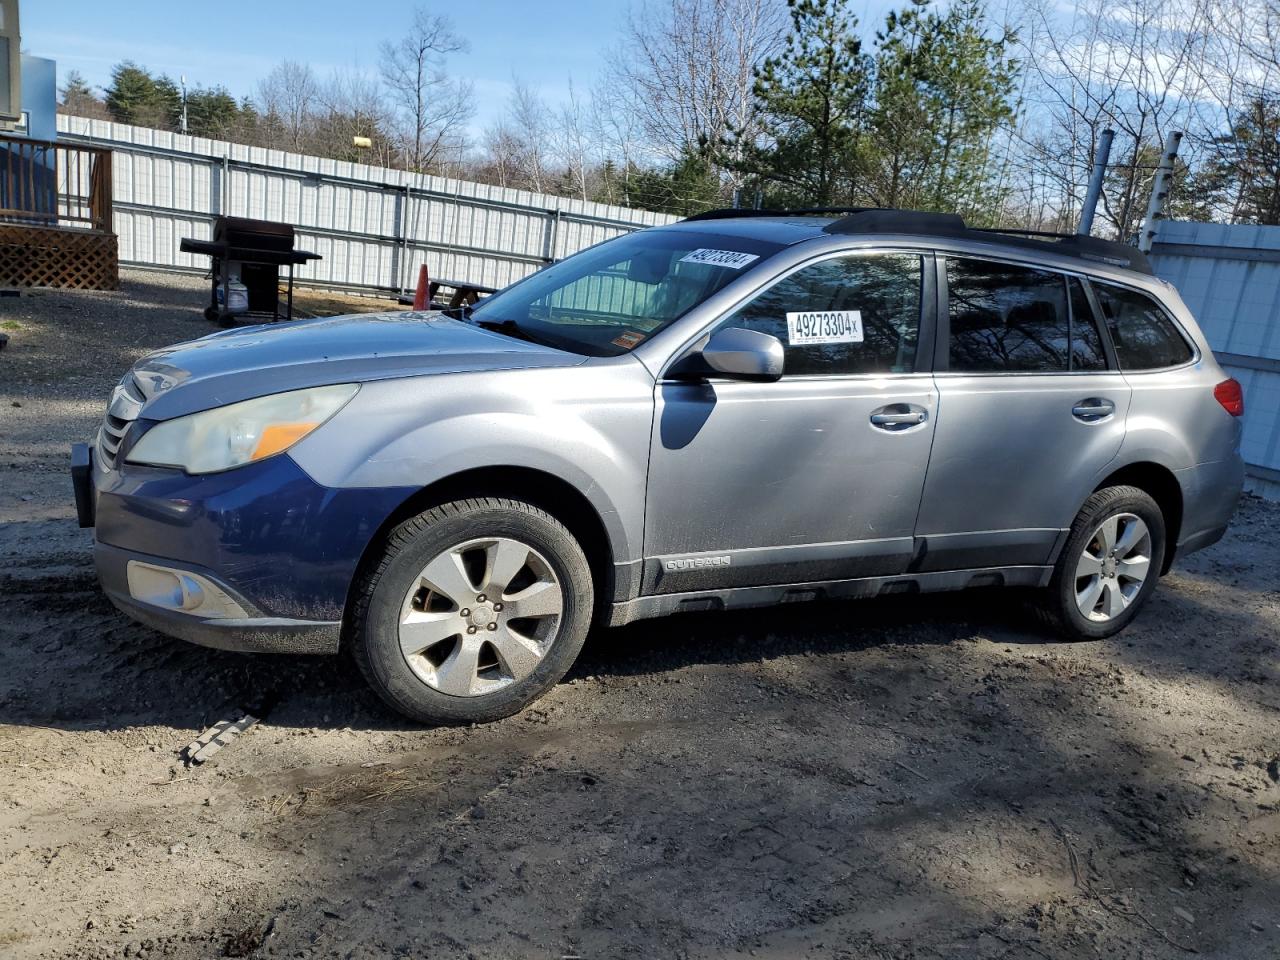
[(1210, 492)]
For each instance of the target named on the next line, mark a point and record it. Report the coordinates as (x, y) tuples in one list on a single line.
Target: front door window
[(854, 314)]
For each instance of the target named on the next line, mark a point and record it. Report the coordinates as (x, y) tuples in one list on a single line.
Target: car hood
[(254, 361)]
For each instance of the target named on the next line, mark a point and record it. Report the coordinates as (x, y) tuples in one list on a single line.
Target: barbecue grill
[(255, 250)]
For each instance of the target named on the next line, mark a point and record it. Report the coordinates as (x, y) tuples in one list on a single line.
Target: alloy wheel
[(481, 615), (1113, 567)]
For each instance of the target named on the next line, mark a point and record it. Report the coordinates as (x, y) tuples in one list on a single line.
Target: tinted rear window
[(1006, 318), (1144, 336)]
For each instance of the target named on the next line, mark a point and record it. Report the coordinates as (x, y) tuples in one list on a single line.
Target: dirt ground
[(909, 778)]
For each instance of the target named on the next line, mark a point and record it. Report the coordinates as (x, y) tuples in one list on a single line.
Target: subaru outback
[(737, 410)]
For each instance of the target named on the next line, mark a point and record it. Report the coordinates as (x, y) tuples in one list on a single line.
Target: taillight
[(1229, 394)]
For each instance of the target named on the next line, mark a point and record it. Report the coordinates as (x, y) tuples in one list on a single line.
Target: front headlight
[(239, 433)]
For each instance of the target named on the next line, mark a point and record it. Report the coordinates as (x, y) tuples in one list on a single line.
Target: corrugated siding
[(371, 232), (1237, 303)]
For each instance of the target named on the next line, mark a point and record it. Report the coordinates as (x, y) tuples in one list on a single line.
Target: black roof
[(856, 220)]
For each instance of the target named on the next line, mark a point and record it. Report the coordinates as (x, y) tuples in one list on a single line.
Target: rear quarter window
[(1144, 335)]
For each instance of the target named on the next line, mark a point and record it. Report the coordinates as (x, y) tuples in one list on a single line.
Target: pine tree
[(212, 113), (132, 93), (897, 157), (136, 96), (168, 104), (688, 186), (812, 100), (943, 89)]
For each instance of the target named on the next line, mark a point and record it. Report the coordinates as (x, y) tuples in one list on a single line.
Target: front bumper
[(266, 554), (251, 633)]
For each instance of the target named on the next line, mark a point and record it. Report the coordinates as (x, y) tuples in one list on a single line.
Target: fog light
[(182, 591)]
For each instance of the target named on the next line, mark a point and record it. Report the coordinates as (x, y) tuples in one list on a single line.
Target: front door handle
[(898, 416), (1093, 409)]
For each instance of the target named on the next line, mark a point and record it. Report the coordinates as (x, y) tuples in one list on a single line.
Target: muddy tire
[(1108, 567), (475, 609)]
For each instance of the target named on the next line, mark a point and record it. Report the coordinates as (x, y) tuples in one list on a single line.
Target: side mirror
[(737, 354)]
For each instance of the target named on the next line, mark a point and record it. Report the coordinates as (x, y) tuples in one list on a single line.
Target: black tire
[(1057, 607), (375, 622)]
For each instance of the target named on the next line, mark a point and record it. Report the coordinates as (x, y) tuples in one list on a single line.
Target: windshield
[(609, 299)]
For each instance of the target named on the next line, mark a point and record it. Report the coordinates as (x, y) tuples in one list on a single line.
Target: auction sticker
[(829, 326), (720, 258)]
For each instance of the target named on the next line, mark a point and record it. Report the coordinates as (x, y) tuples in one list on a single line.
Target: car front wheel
[(477, 608), (1108, 567)]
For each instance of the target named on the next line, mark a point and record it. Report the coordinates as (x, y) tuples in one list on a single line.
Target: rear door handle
[(1093, 409), (898, 416)]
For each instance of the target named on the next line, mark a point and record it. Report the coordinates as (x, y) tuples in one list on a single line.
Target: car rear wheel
[(1108, 567), (475, 609)]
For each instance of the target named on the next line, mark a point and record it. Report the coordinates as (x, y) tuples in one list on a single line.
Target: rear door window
[(1144, 336), (1006, 318)]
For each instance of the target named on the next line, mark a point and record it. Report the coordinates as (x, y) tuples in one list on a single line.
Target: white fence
[(1229, 275), (372, 226)]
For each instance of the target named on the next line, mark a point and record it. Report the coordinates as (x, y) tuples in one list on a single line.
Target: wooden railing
[(55, 184)]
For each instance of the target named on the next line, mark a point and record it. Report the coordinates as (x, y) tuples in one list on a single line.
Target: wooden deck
[(55, 216)]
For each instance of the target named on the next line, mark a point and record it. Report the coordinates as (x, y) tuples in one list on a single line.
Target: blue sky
[(235, 42)]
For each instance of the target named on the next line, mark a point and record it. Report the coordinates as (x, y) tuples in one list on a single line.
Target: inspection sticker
[(830, 326), (720, 258), (627, 339)]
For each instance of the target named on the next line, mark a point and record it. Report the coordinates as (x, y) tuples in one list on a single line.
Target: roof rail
[(1097, 249), (884, 220), (735, 212), (879, 220)]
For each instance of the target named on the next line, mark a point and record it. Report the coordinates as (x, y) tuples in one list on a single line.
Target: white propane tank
[(235, 298)]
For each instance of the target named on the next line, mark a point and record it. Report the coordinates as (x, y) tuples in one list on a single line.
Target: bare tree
[(288, 98), (432, 107), (576, 142), (1240, 107), (620, 135), (503, 149), (351, 105), (77, 99), (689, 67), (1132, 65), (530, 120)]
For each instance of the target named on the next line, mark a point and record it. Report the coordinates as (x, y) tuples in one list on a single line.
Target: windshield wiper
[(511, 329)]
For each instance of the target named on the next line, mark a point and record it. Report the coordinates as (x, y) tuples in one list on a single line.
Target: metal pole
[(1160, 187), (1100, 158), (184, 104), (401, 236)]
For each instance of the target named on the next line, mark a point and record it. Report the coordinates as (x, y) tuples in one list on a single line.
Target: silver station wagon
[(737, 410)]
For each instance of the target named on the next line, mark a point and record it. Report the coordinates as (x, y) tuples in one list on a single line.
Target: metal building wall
[(373, 226), (1229, 275)]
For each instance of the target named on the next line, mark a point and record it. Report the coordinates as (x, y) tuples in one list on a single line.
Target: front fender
[(588, 425)]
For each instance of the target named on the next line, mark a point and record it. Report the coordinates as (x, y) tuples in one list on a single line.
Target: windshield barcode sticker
[(720, 258), (831, 326)]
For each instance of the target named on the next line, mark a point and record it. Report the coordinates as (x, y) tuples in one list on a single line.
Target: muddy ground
[(925, 777)]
